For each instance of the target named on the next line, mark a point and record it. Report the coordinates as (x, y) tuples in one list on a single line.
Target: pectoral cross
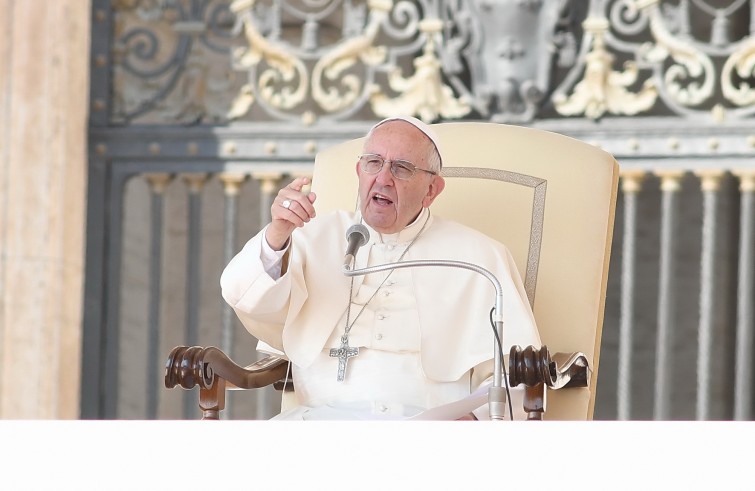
[(343, 353)]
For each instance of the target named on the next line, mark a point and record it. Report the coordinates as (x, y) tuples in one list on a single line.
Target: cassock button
[(391, 247), (380, 317), (383, 408), (378, 336), (386, 293)]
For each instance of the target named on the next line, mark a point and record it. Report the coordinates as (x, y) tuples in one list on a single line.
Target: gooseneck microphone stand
[(497, 392)]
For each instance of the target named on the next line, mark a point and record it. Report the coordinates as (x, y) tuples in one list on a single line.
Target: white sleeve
[(271, 259)]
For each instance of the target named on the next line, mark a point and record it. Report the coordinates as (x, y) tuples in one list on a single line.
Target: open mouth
[(382, 200)]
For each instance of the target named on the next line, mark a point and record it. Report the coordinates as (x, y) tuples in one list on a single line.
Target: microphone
[(357, 235)]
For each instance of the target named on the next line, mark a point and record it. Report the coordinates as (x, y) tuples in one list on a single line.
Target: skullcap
[(420, 125)]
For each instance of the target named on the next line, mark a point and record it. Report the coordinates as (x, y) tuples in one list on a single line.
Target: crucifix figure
[(343, 353)]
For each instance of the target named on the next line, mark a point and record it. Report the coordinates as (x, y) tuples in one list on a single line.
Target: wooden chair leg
[(534, 402), (212, 400)]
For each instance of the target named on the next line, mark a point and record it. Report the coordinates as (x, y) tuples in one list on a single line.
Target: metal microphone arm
[(497, 392)]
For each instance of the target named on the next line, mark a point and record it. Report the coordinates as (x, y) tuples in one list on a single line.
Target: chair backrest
[(549, 198)]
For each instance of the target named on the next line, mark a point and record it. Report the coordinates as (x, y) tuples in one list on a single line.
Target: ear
[(435, 188)]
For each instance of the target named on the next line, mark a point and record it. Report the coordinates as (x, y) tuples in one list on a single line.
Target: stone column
[(44, 80)]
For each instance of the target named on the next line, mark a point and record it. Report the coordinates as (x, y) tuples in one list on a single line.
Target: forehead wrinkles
[(398, 140)]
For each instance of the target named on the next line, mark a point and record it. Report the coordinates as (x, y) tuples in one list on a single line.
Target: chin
[(378, 227), (379, 223), (382, 228)]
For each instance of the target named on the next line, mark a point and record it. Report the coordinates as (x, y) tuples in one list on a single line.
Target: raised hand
[(292, 208)]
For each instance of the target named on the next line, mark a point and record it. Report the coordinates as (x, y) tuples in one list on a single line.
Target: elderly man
[(385, 345)]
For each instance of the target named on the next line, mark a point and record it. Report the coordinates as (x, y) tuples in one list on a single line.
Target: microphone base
[(497, 403)]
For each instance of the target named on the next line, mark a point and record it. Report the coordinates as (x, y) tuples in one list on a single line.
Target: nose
[(385, 176)]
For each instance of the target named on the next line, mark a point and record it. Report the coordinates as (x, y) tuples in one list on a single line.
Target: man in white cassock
[(391, 344)]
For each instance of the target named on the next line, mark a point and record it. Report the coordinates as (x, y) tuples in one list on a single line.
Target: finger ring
[(286, 204)]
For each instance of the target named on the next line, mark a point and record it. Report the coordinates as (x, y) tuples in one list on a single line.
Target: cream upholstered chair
[(548, 197)]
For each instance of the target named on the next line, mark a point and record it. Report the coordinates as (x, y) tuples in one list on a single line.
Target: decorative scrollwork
[(682, 78), (534, 366), (603, 89), (166, 61), (191, 366), (186, 367), (626, 18), (672, 63), (335, 62), (530, 366), (284, 83), (742, 64), (424, 93), (505, 60)]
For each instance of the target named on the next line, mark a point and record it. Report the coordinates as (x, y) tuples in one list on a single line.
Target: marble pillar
[(44, 80)]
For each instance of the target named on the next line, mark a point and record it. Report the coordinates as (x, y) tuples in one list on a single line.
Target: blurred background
[(142, 141)]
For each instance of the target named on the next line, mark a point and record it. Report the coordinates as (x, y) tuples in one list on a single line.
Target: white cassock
[(424, 334)]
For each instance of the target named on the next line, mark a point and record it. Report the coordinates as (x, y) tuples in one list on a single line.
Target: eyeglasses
[(371, 163)]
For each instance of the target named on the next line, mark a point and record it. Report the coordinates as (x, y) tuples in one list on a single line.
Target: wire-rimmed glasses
[(371, 163)]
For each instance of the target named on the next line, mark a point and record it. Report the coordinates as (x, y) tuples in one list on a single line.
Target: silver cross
[(343, 353)]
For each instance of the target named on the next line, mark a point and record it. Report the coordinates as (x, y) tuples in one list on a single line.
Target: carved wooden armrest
[(536, 369), (213, 372)]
